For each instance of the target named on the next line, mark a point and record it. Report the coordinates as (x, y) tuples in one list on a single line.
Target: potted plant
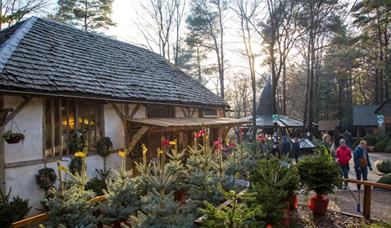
[(321, 175), (12, 138)]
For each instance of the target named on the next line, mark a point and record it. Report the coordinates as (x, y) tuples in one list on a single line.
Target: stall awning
[(187, 123)]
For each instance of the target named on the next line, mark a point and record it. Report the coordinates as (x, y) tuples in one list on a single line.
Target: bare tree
[(246, 10), (13, 11), (162, 30)]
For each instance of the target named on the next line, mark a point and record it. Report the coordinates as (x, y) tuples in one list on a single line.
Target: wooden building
[(385, 110), (56, 79), (364, 119)]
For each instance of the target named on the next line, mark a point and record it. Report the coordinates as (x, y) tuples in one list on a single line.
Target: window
[(209, 113), (63, 117), (159, 111)]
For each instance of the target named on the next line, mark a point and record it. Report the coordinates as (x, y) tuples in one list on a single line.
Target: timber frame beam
[(18, 108)]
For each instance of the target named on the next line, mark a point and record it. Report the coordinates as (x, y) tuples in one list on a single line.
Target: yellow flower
[(80, 154), (159, 152), (145, 149), (122, 154), (173, 142), (63, 168)]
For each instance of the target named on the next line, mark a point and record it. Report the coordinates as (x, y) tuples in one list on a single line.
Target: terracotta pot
[(120, 224), (318, 204), (293, 202), (180, 197)]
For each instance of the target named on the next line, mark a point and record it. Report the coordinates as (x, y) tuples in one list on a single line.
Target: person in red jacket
[(343, 156)]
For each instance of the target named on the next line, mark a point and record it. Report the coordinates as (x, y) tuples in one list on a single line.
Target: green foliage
[(12, 210), (75, 165), (235, 215), (122, 201), (371, 139), (97, 185), (384, 166), (158, 205), (176, 166), (203, 181), (87, 14), (319, 174), (386, 179), (161, 211), (270, 187), (78, 141), (381, 144), (104, 146), (45, 178), (388, 147), (70, 208)]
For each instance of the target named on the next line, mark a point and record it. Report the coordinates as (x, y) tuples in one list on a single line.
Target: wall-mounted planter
[(13, 138)]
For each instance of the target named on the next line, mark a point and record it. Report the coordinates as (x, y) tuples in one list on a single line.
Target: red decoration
[(231, 145), (165, 143), (269, 226), (242, 130), (218, 144), (200, 133), (293, 202)]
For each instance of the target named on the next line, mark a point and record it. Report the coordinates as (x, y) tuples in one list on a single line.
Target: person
[(296, 148), (347, 136), (343, 156), (276, 150), (286, 146), (326, 142), (361, 162)]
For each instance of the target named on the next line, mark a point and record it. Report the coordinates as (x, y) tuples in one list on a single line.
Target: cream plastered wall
[(30, 122)]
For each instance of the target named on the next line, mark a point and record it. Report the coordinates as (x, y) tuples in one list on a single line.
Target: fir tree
[(122, 197), (90, 15), (71, 207), (232, 216)]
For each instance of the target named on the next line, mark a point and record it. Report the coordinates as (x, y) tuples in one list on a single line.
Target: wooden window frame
[(96, 110)]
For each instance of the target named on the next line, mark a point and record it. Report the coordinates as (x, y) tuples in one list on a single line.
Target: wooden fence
[(367, 193)]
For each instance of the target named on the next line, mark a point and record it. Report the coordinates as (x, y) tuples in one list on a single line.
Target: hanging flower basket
[(13, 138)]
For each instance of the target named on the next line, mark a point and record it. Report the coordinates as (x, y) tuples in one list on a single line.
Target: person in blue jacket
[(286, 146), (361, 162)]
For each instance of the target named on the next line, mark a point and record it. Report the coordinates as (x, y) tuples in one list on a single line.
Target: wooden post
[(367, 201)]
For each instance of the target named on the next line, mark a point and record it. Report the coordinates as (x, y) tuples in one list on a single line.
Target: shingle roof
[(40, 55), (364, 115)]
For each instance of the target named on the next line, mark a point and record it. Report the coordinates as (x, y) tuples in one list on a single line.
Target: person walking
[(276, 150), (343, 156), (286, 146), (361, 162), (348, 138), (296, 149)]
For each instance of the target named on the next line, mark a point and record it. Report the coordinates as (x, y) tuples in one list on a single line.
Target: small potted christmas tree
[(321, 175)]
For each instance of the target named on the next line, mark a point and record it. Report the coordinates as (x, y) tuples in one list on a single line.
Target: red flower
[(200, 133), (269, 226), (165, 142), (218, 144), (231, 145), (242, 130)]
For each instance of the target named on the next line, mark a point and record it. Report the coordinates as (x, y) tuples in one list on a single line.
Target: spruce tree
[(89, 15)]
